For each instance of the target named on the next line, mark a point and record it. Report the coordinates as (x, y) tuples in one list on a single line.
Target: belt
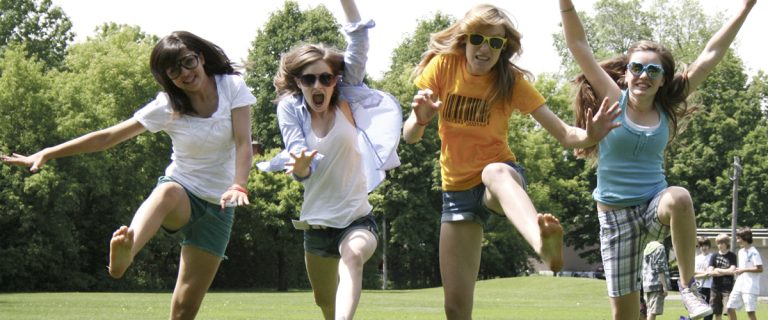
[(303, 225)]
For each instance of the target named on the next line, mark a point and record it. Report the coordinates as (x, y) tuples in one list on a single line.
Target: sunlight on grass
[(540, 298)]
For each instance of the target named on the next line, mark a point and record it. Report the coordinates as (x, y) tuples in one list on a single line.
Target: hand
[(235, 195), (664, 292), (34, 162), (301, 162), (600, 124), (424, 107)]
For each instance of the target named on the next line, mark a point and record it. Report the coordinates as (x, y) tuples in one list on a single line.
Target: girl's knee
[(678, 197), (498, 170)]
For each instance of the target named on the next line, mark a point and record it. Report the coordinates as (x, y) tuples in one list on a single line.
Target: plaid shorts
[(623, 235)]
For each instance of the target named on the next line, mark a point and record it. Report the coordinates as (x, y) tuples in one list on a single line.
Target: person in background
[(702, 270), (655, 278), (721, 267), (747, 286)]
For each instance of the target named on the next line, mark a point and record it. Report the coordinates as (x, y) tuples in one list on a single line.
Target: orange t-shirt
[(473, 134)]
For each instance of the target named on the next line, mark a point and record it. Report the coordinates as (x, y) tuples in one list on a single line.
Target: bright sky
[(232, 24)]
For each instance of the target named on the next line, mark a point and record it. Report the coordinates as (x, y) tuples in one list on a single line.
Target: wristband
[(568, 10), (237, 187)]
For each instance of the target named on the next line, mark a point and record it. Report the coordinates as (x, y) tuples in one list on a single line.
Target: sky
[(232, 24)]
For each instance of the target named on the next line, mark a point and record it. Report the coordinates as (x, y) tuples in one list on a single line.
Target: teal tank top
[(630, 162)]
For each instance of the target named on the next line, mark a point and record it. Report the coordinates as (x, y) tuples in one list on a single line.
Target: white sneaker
[(694, 302)]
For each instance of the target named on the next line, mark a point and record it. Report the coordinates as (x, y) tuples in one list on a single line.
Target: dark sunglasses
[(325, 78), (496, 43), (652, 70), (188, 62)]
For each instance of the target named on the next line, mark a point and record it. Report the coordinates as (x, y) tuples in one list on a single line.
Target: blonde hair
[(723, 238), (453, 41)]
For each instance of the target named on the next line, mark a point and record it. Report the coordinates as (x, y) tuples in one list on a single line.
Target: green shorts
[(208, 228)]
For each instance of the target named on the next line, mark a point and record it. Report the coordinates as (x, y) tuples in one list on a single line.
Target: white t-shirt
[(203, 158), (702, 263), (335, 194), (748, 282)]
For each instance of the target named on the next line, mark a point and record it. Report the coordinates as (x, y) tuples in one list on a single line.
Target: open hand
[(424, 107), (34, 162), (600, 124), (301, 161)]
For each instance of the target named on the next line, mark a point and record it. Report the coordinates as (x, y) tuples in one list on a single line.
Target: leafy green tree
[(44, 28)]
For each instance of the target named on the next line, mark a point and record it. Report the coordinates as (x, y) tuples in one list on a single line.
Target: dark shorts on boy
[(325, 241), (208, 228), (467, 205), (718, 300)]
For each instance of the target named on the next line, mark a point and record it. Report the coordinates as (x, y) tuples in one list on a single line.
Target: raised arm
[(356, 55), (576, 39), (91, 142), (717, 47), (573, 137), (350, 11)]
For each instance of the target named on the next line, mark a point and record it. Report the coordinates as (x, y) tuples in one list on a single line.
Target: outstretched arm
[(576, 39), (572, 137), (717, 47), (92, 142), (424, 109), (241, 125)]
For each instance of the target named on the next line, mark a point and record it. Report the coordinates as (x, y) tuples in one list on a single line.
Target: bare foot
[(551, 241), (120, 256)]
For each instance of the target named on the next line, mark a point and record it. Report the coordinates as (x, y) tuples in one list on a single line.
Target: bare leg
[(324, 278), (676, 210), (751, 315), (356, 248), (460, 249), (196, 272), (731, 314), (504, 193), (167, 205), (626, 306)]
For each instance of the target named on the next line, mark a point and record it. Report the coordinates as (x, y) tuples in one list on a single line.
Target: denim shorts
[(467, 205), (325, 242), (208, 228), (624, 233)]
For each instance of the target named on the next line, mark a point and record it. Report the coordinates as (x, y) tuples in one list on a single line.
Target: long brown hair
[(671, 96), (166, 53), (453, 40), (293, 63)]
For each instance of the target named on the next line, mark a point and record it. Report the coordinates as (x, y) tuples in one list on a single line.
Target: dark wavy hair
[(671, 96), (168, 51)]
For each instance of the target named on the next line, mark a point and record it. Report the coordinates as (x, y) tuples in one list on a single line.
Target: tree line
[(55, 224)]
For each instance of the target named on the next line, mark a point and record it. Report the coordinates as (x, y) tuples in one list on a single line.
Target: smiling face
[(481, 58), (643, 85), (318, 93), (188, 73)]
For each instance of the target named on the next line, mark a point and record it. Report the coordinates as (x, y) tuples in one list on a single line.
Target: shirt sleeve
[(241, 94), (757, 260), (356, 55), (155, 115), (525, 97), (292, 131), (428, 77)]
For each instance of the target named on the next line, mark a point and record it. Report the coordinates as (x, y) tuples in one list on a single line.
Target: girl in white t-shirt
[(339, 138), (204, 110)]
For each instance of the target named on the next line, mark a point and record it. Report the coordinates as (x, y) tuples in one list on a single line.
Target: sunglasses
[(652, 70), (188, 62), (325, 78), (496, 43)]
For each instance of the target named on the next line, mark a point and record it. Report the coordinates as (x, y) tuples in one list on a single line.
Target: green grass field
[(538, 298)]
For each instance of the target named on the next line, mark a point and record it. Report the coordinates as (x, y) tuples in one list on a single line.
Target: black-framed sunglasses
[(188, 62), (652, 70), (325, 78), (477, 39)]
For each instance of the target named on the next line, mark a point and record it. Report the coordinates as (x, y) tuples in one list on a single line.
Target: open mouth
[(318, 99)]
